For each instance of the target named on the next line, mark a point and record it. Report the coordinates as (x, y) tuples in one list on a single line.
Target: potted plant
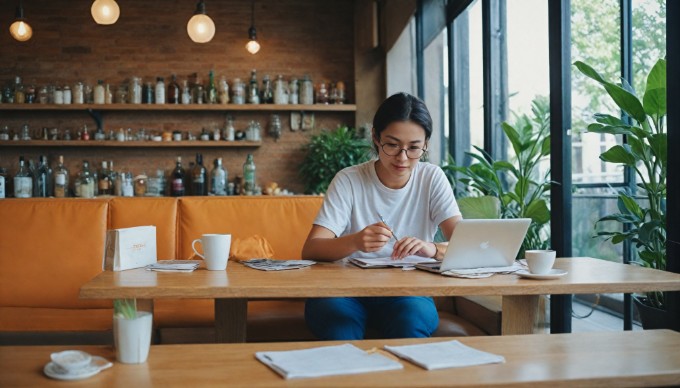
[(329, 152), (645, 151), (131, 331), (518, 184)]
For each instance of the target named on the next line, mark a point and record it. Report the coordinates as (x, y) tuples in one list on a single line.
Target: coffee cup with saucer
[(74, 365)]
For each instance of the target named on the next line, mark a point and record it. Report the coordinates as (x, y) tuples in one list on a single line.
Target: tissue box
[(129, 248)]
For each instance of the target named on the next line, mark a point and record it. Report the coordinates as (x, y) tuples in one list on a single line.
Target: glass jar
[(322, 95), (135, 90), (238, 92), (306, 91), (293, 91), (275, 127), (121, 95), (78, 93), (140, 185), (42, 95), (223, 91), (58, 95), (68, 96), (280, 90)]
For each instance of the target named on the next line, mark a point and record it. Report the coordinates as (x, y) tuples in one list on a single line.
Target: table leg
[(230, 320), (520, 314)]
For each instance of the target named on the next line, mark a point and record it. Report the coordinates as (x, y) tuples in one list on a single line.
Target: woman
[(366, 207)]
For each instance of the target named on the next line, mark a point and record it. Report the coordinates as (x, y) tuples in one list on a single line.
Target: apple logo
[(484, 245)]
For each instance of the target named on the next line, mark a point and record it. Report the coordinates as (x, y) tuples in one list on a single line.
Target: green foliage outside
[(329, 152), (645, 152), (518, 183)]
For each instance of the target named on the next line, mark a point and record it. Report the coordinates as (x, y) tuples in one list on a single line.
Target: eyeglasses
[(392, 149)]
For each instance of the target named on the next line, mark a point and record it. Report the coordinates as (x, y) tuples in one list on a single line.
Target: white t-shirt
[(356, 196)]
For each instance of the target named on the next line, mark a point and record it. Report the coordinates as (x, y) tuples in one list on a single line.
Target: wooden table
[(617, 359), (232, 288)]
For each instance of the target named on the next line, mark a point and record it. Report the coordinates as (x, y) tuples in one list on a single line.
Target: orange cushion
[(48, 249), (158, 211), (283, 221), (48, 319)]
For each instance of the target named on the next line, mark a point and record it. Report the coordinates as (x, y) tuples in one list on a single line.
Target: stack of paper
[(276, 265), (382, 262), (477, 273), (326, 361), (174, 265), (438, 355)]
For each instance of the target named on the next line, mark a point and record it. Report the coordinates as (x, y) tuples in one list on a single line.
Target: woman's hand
[(372, 238), (408, 246)]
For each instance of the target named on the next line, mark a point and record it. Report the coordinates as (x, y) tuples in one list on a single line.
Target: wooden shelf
[(126, 144), (180, 107)]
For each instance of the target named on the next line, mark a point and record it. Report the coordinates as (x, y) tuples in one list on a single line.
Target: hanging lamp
[(201, 27), (252, 46), (105, 11), (20, 29)]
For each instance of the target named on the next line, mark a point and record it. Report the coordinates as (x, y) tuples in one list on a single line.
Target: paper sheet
[(450, 354), (476, 273), (174, 265), (343, 359), (381, 262), (276, 265)]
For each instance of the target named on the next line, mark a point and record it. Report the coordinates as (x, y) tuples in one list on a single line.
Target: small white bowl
[(71, 360)]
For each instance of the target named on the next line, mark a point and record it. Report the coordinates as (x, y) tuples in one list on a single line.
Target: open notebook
[(383, 262)]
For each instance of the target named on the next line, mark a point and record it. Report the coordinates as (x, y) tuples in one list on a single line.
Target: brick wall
[(297, 36)]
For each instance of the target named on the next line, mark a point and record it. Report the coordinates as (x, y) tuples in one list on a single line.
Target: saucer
[(97, 365), (553, 274)]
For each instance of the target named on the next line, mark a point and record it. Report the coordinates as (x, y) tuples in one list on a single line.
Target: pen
[(385, 222)]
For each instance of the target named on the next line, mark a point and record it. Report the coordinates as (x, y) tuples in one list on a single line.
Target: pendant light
[(252, 46), (201, 27), (20, 30), (105, 11)]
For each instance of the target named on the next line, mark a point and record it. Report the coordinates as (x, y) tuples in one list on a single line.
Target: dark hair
[(402, 107)]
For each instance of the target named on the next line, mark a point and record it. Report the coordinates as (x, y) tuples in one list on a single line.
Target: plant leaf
[(538, 211), (618, 154), (480, 207)]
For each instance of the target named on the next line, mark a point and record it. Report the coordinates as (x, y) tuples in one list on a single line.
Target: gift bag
[(129, 248)]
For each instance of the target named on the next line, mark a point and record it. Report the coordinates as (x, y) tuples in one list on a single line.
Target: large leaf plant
[(644, 151), (329, 152), (518, 183)]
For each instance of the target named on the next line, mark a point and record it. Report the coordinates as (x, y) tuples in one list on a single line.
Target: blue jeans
[(393, 317)]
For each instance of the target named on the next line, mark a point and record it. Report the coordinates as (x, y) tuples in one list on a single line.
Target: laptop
[(482, 243)]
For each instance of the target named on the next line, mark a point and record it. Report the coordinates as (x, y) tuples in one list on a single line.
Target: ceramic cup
[(215, 250), (540, 262)]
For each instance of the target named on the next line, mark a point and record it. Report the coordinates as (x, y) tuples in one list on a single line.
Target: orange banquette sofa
[(50, 247)]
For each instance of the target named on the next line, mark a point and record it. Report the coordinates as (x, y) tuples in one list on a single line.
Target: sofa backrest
[(48, 249), (283, 221)]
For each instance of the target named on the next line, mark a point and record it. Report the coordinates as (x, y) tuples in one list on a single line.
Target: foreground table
[(641, 358), (232, 288)]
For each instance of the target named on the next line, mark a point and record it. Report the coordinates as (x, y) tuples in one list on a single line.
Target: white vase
[(132, 337)]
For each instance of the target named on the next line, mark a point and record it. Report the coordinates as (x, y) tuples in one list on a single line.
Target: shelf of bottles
[(183, 107), (128, 144)]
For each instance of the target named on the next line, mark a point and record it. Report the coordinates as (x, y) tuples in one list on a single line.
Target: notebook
[(482, 243)]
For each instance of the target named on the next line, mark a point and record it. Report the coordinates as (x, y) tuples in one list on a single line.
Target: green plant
[(519, 184), (127, 308), (329, 152), (644, 151)]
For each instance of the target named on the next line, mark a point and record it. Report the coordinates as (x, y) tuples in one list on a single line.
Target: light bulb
[(105, 11), (201, 28), (21, 31), (253, 47)]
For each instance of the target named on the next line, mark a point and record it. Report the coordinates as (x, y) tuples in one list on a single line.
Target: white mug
[(216, 250), (540, 262)]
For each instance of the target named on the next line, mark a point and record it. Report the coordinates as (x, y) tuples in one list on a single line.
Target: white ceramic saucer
[(553, 274), (97, 365)]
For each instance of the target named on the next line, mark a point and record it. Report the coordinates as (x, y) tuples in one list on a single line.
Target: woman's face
[(395, 142)]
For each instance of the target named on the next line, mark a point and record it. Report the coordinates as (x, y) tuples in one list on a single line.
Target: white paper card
[(129, 248), (438, 355), (343, 359)]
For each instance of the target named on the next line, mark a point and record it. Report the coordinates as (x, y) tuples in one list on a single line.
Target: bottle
[(199, 181), (148, 92), (218, 179), (229, 132), (177, 186), (99, 93), (42, 179), (61, 179), (160, 90), (249, 175), (223, 91), (306, 91), (173, 91), (113, 177), (127, 186), (253, 94), (212, 90), (85, 183), (267, 91), (280, 90), (3, 183), (19, 96), (293, 87), (238, 92), (104, 180), (141, 182), (23, 181), (186, 93), (322, 94), (135, 90)]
